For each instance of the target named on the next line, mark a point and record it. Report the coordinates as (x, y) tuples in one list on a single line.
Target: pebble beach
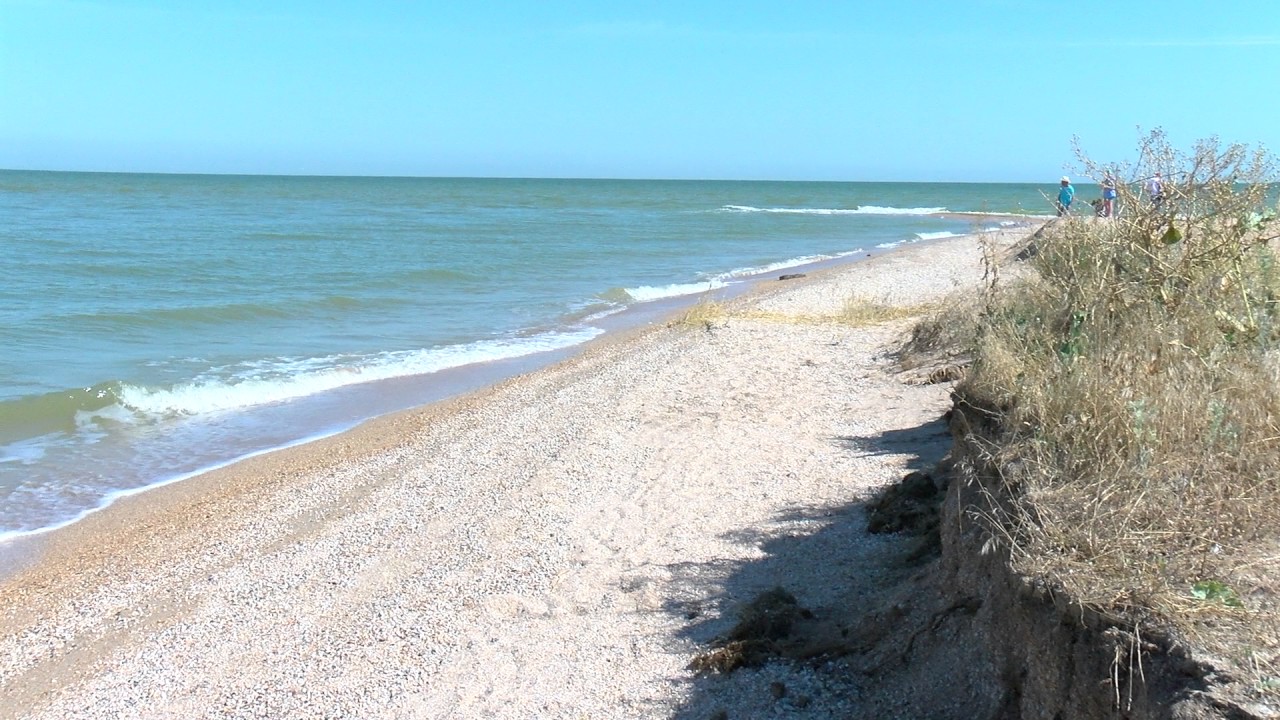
[(560, 545)]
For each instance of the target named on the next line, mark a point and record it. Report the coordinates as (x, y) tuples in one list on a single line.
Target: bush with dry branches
[(1136, 379)]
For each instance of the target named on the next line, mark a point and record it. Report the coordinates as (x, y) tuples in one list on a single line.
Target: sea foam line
[(110, 498), (648, 293), (216, 395), (984, 213), (213, 396), (860, 210), (924, 236)]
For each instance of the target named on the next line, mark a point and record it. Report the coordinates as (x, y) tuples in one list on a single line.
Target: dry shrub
[(1136, 382), (943, 336)]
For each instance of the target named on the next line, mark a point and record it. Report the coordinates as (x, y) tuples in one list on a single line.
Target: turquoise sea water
[(160, 325)]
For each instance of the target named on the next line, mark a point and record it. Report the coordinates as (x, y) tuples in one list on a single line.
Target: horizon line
[(501, 177)]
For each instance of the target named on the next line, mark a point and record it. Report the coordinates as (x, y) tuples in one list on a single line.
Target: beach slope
[(560, 545)]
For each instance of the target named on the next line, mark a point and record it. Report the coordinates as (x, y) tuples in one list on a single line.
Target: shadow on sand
[(836, 573)]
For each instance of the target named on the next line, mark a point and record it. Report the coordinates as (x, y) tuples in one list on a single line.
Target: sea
[(160, 326)]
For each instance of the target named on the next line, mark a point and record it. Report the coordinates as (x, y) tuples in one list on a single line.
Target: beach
[(559, 545)]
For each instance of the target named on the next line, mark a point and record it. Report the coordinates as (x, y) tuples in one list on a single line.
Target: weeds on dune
[(856, 312), (706, 315), (860, 311), (1134, 385), (944, 336)]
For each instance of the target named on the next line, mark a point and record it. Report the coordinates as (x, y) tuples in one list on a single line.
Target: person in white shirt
[(1155, 190)]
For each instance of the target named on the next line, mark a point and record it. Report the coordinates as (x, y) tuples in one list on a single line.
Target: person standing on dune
[(1066, 194), (1108, 196), (1155, 190)]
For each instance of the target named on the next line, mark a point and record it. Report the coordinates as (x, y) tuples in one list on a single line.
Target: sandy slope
[(558, 546)]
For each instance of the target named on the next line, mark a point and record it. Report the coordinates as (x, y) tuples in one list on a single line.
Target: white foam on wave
[(647, 293), (936, 235), (876, 210), (860, 210), (784, 264), (982, 213), (787, 211), (886, 246), (215, 395), (25, 452), (110, 498)]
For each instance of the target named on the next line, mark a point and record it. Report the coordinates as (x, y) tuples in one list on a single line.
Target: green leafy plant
[(1214, 591)]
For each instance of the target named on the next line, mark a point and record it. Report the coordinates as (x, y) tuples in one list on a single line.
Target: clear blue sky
[(855, 90)]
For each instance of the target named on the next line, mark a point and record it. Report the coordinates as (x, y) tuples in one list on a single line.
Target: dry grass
[(860, 311), (856, 312), (944, 335), (1136, 383), (707, 315)]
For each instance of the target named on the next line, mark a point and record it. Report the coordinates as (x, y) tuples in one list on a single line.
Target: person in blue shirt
[(1108, 196), (1066, 194)]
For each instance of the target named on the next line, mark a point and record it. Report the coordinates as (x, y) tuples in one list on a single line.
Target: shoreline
[(18, 549), (511, 513), (17, 546), (442, 385)]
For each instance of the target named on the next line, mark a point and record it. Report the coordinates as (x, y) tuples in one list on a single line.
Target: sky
[(913, 90)]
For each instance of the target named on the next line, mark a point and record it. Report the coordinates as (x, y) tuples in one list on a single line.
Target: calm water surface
[(161, 325)]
